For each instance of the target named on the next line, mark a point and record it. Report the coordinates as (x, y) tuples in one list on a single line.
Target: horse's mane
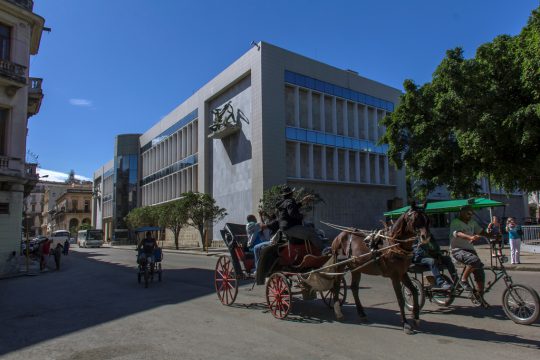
[(399, 228)]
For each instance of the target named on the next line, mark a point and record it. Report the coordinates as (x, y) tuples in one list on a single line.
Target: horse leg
[(335, 293), (396, 283), (406, 280), (355, 287)]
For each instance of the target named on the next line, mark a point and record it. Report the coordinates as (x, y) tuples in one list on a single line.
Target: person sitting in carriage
[(290, 218), (429, 253), (146, 249)]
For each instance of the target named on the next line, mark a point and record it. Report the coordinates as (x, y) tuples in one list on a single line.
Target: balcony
[(10, 166), (25, 4), (12, 75), (35, 96)]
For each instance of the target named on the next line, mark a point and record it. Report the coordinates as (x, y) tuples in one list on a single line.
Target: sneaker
[(465, 286), (446, 286)]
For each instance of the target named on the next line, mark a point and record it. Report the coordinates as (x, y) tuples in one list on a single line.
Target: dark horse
[(392, 263)]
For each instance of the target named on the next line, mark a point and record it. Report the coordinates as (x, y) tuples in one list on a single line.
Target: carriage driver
[(463, 232), (146, 248), (290, 218)]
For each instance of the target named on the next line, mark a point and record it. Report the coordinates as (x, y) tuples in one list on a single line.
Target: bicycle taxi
[(520, 303), (146, 269), (287, 268)]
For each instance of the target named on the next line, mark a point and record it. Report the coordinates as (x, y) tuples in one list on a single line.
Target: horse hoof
[(408, 330), (340, 317)]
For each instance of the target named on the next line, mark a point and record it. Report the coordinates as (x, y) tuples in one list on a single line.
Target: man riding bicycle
[(146, 249)]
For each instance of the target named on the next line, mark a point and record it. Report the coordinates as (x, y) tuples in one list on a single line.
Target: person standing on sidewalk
[(45, 249), (494, 230), (514, 238)]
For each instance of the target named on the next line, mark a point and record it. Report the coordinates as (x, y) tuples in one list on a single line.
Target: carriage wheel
[(408, 296), (225, 281), (443, 298), (521, 304), (278, 295), (328, 296)]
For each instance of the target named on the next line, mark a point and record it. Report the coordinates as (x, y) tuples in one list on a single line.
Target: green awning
[(449, 206)]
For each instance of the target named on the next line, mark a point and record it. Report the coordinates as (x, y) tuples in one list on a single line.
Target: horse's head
[(414, 222)]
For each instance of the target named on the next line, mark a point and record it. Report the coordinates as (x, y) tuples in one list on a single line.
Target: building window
[(33, 208), (86, 205), (4, 208), (3, 131), (74, 205), (5, 41)]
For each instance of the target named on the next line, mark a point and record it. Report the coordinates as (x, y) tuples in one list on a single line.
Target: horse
[(392, 263)]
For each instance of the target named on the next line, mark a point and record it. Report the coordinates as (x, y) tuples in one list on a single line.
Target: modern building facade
[(20, 98), (275, 117), (116, 187)]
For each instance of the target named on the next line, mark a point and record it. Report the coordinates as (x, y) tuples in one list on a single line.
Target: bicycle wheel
[(443, 298), (408, 296), (146, 276), (521, 304)]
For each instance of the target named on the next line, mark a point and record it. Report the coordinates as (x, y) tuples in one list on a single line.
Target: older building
[(20, 98), (275, 117), (73, 208), (52, 192)]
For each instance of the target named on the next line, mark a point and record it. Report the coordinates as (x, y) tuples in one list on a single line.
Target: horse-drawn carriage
[(287, 267)]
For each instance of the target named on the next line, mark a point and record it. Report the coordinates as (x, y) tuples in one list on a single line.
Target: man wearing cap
[(290, 218), (463, 232)]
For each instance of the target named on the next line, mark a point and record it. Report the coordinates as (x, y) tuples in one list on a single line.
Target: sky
[(118, 66)]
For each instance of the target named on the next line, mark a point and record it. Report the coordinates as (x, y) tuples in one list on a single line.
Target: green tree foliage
[(478, 117), (85, 226), (173, 215), (267, 204), (202, 212), (143, 216)]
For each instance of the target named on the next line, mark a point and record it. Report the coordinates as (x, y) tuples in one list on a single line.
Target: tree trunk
[(176, 235)]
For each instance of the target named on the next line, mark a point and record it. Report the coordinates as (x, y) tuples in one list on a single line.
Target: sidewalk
[(529, 261)]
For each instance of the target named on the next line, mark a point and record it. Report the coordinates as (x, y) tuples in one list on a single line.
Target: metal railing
[(25, 4), (13, 71), (530, 240), (35, 84)]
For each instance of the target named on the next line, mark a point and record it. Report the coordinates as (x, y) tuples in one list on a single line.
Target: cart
[(289, 269), (147, 270), (520, 303)]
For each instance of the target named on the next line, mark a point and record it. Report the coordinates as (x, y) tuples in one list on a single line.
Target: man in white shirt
[(463, 232)]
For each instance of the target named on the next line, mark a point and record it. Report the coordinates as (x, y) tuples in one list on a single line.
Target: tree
[(477, 118), (173, 215), (143, 216), (85, 226), (202, 212), (267, 204)]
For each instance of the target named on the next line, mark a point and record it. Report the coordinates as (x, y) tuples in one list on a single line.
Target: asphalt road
[(94, 309)]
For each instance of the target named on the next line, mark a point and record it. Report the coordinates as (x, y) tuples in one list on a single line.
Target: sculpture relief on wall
[(224, 121)]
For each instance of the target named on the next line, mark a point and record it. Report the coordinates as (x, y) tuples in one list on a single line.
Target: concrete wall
[(232, 158)]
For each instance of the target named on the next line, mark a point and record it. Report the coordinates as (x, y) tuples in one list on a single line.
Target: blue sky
[(119, 66)]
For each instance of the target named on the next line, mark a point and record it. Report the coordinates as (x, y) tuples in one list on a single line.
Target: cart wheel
[(278, 295), (146, 276), (225, 281), (443, 298), (409, 297), (328, 296), (521, 304), (159, 272)]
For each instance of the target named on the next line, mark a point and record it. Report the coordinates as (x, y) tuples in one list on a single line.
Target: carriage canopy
[(449, 206)]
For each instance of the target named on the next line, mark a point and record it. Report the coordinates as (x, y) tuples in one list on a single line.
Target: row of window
[(171, 130), (336, 90), (182, 164), (343, 142), (170, 187)]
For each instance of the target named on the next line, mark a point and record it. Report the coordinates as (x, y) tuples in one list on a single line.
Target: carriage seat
[(312, 261)]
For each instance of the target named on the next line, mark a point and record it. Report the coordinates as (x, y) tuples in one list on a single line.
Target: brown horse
[(392, 263)]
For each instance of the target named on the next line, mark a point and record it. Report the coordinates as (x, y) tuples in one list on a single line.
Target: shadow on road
[(87, 292)]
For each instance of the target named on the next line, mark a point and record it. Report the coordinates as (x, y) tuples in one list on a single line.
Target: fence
[(530, 241)]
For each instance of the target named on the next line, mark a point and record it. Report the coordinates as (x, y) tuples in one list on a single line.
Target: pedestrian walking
[(66, 247), (514, 238), (57, 256), (494, 230), (44, 251)]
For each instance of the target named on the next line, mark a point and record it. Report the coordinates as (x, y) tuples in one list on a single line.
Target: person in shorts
[(463, 232)]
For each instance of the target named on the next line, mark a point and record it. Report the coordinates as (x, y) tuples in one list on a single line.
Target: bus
[(90, 238)]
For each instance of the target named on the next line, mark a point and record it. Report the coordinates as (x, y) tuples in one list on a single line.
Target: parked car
[(72, 240)]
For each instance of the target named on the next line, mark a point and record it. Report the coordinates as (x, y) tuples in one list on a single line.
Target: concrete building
[(275, 117), (52, 192), (20, 98)]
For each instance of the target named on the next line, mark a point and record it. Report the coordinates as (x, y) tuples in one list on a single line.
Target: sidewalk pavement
[(529, 261)]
